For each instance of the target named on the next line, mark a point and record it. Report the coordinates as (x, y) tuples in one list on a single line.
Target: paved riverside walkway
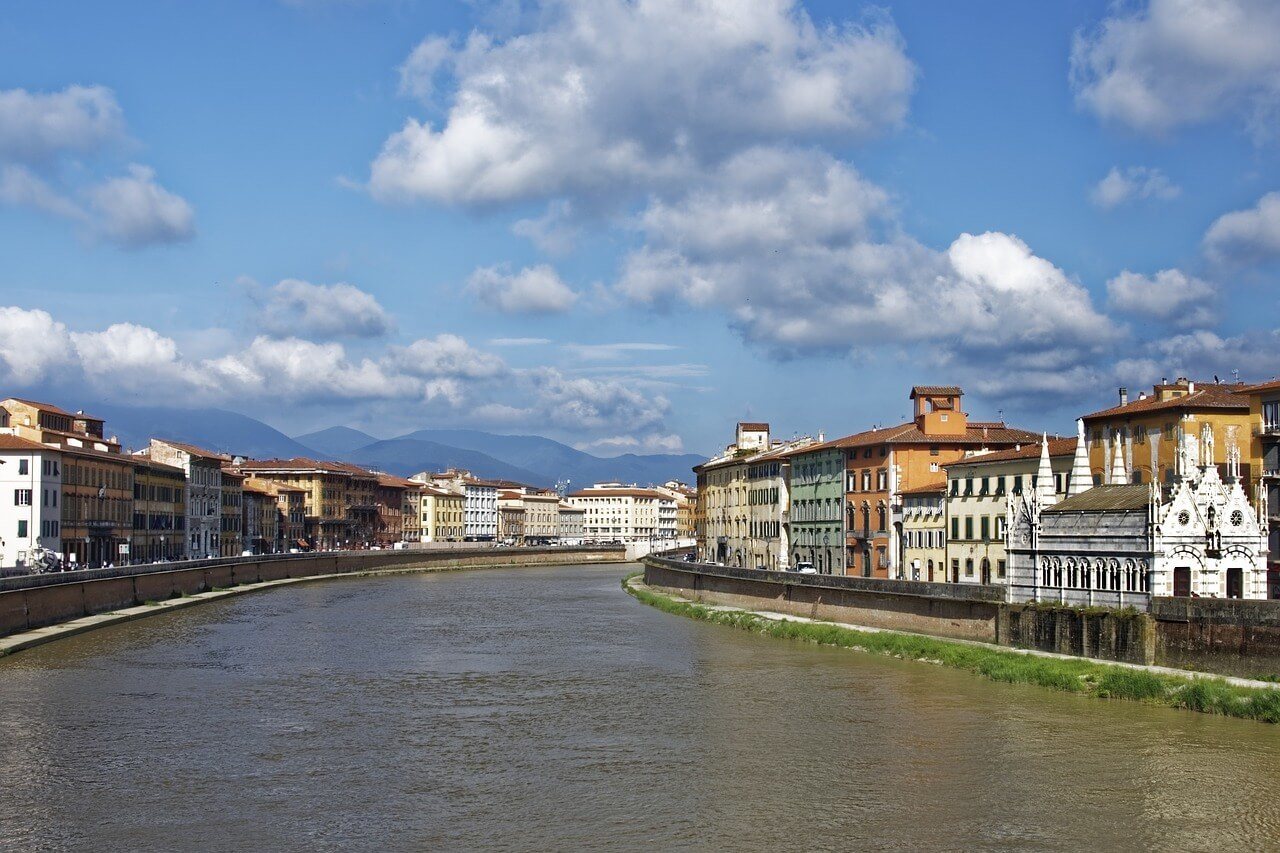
[(637, 583)]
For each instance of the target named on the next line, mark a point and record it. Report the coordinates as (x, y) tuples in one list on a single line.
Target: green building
[(815, 519)]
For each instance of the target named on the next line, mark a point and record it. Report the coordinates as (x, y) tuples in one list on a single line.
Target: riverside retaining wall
[(1227, 636), (34, 601)]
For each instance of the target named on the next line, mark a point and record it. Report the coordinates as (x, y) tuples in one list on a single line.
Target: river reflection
[(545, 709)]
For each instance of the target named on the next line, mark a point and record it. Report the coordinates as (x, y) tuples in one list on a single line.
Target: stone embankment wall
[(1227, 636), (34, 601)]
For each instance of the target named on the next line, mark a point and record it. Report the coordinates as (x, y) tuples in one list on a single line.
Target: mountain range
[(528, 459)]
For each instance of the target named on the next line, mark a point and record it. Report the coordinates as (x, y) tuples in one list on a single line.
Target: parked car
[(803, 568)]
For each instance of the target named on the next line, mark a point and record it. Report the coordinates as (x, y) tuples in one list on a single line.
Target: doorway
[(1235, 582), (1182, 582), (986, 571)]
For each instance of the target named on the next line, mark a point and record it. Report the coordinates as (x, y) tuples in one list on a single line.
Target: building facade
[(978, 491), (443, 515), (159, 511), (30, 504), (203, 469), (616, 513), (1120, 545), (571, 525), (815, 518), (1264, 410), (541, 517), (232, 534), (924, 533)]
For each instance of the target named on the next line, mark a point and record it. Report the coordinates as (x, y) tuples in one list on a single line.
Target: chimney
[(1124, 396)]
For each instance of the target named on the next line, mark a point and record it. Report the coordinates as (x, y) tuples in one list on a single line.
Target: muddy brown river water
[(544, 709)]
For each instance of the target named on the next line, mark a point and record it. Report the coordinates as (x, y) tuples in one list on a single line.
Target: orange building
[(883, 464)]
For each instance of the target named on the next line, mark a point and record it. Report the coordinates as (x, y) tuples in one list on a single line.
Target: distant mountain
[(336, 442), (407, 456), (214, 429), (552, 460)]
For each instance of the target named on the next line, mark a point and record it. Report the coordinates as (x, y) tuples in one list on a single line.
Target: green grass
[(1076, 675)]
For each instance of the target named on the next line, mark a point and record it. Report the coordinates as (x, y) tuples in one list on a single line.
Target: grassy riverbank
[(1074, 675)]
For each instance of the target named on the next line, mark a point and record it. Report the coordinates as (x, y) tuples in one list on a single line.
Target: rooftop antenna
[(1235, 374)]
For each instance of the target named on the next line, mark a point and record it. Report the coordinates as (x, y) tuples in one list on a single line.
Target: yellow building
[(231, 537), (1148, 430), (443, 515), (159, 511), (1264, 452), (326, 487), (924, 533)]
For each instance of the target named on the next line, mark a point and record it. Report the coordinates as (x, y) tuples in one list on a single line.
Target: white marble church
[(1119, 545)]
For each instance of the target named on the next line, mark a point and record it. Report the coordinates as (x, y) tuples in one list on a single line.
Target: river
[(544, 709)]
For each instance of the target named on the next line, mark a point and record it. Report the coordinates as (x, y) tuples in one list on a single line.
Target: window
[(986, 528), (1017, 484), (22, 528), (955, 527), (968, 527), (933, 450), (968, 568), (968, 486), (999, 568), (22, 497)]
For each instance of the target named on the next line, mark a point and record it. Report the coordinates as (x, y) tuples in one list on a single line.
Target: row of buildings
[(72, 496), (944, 498)]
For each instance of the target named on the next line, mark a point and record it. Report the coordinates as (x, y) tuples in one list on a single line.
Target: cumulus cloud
[(579, 106), (553, 232), (295, 308), (804, 255), (1169, 295), (1247, 235), (532, 290), (1169, 63), (21, 187), (448, 356), (133, 210), (1254, 353), (1135, 182), (566, 401), (616, 445), (36, 126), (33, 346)]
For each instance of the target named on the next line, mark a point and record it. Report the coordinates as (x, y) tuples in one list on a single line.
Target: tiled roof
[(397, 482), (49, 407), (193, 450), (980, 434), (620, 493), (750, 426), (930, 489), (1057, 447), (1106, 499), (1272, 385), (1209, 396), (148, 462), (13, 442), (936, 391), (294, 464)]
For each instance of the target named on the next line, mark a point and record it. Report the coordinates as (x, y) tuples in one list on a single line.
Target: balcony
[(1268, 429)]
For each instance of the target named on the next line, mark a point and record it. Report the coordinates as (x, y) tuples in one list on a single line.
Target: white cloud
[(442, 377), (33, 346), (1135, 182), (804, 255), (134, 211), (447, 356), (21, 187), (1247, 235), (533, 290), (1169, 295), (295, 308), (553, 232), (1176, 62), (1255, 354), (616, 445), (518, 342), (611, 352), (36, 126), (582, 107)]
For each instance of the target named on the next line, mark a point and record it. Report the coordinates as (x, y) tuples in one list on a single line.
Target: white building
[(1120, 545), (480, 501), (30, 502), (570, 522), (617, 513)]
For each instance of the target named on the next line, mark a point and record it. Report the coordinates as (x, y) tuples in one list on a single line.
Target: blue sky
[(627, 225)]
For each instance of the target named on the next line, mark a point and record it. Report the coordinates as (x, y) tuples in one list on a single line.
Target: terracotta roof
[(753, 426), (303, 463), (936, 391), (231, 472), (982, 434), (1057, 447), (148, 462), (49, 407), (13, 442), (397, 482), (193, 450), (438, 492), (1272, 385), (261, 487), (931, 489), (1208, 396), (620, 493), (1106, 499)]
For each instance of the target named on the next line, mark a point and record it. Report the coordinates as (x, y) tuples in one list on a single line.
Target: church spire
[(1119, 476), (1046, 494), (1081, 478)]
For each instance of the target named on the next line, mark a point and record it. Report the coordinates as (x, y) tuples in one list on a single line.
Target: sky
[(627, 225)]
